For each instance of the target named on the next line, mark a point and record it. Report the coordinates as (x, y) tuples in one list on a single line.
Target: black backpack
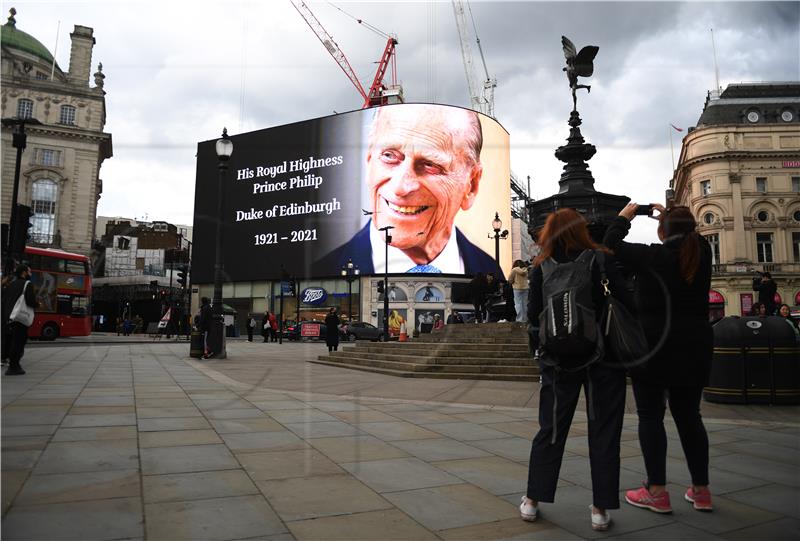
[(569, 334)]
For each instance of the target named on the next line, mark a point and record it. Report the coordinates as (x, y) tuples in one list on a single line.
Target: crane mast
[(481, 92), (378, 94)]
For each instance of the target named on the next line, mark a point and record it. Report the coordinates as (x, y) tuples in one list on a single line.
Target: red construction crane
[(378, 94)]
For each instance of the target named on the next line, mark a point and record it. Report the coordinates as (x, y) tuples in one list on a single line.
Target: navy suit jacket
[(359, 250)]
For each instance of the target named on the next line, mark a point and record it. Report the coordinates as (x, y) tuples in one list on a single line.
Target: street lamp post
[(19, 141), (224, 148), (386, 283), (497, 225), (350, 273)]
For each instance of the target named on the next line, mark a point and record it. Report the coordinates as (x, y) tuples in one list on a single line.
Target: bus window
[(80, 306), (76, 267)]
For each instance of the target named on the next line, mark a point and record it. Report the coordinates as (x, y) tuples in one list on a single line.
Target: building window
[(67, 115), (41, 76), (796, 246), (762, 216), (761, 184), (47, 156), (705, 187), (43, 205), (123, 243), (796, 215), (25, 109), (713, 240), (708, 218), (796, 184), (764, 247)]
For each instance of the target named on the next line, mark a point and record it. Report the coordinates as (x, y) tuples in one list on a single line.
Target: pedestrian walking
[(204, 325), (266, 330), (251, 325), (477, 290), (273, 327), (679, 370), (518, 278), (566, 274), (19, 303), (332, 330)]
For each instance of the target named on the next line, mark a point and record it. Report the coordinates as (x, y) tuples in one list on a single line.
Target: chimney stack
[(80, 55)]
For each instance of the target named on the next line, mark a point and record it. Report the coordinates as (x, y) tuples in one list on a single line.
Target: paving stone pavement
[(137, 441)]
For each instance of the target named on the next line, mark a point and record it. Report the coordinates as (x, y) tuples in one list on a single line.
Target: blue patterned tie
[(429, 269)]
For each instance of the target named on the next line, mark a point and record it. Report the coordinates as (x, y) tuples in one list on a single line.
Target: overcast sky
[(178, 71)]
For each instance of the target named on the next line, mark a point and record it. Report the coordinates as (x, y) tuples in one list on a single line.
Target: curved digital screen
[(305, 199)]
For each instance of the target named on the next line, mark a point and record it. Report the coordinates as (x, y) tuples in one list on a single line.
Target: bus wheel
[(50, 331)]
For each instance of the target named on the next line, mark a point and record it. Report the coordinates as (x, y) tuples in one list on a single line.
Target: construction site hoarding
[(305, 199)]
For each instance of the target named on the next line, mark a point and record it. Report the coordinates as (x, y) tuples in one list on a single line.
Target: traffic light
[(22, 223), (292, 286), (182, 272)]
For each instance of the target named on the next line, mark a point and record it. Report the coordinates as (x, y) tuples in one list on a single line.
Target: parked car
[(360, 330)]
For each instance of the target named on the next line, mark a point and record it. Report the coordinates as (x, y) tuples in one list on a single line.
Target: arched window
[(67, 115), (43, 205), (429, 294), (24, 108)]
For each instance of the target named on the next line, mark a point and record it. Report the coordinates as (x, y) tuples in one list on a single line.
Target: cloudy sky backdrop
[(178, 71)]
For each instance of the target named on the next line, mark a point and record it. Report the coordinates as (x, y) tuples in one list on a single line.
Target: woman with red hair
[(678, 371), (566, 247)]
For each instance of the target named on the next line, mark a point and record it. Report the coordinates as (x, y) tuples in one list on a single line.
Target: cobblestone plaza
[(133, 440)]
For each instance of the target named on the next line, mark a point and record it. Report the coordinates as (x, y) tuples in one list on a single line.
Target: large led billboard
[(308, 197)]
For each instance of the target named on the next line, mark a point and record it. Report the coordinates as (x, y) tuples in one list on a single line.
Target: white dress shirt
[(449, 260)]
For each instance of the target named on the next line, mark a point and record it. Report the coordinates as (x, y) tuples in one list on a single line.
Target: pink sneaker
[(701, 499), (643, 498)]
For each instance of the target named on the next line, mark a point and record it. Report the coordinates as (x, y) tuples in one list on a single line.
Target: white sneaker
[(503, 321), (600, 523), (527, 511)]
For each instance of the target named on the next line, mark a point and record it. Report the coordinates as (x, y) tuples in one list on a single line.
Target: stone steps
[(495, 351), (409, 365), (441, 350), (431, 360), (428, 375)]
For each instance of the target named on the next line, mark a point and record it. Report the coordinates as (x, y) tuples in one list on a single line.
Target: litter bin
[(756, 361), (196, 344)]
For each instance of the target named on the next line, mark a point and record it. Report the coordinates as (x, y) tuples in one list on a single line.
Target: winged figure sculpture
[(579, 64)]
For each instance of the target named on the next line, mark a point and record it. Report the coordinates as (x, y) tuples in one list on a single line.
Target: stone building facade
[(60, 169), (739, 172)]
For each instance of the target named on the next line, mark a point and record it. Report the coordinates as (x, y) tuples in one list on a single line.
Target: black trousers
[(249, 333), (684, 404), (19, 337), (608, 404)]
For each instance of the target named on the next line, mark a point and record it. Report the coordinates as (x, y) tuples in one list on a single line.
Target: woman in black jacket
[(679, 370), (564, 239), (332, 330)]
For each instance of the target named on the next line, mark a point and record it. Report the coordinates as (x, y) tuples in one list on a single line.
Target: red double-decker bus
[(64, 290)]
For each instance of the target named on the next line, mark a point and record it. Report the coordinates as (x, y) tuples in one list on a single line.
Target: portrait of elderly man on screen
[(423, 167)]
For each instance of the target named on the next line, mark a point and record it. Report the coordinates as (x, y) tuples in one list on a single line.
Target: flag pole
[(55, 52), (671, 148)]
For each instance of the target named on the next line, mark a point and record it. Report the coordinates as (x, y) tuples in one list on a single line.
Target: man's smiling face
[(421, 171)]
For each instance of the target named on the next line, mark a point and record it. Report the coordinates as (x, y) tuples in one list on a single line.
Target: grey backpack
[(569, 335)]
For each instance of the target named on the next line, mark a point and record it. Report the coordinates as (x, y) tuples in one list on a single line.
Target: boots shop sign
[(313, 296)]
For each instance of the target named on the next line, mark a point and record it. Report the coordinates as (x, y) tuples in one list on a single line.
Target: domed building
[(63, 117)]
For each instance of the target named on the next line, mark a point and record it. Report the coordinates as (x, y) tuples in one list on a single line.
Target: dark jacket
[(332, 330), (766, 293), (359, 250), (12, 293), (685, 358), (204, 324), (536, 298)]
